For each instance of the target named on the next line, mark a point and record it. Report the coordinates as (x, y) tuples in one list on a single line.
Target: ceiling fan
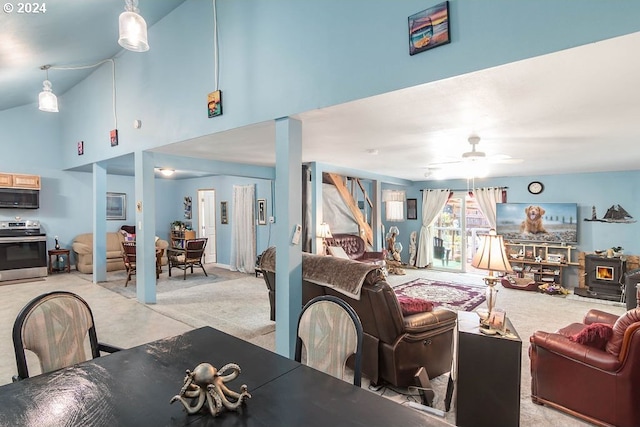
[(471, 164)]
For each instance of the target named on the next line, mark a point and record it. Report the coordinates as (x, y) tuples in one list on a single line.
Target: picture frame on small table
[(498, 320)]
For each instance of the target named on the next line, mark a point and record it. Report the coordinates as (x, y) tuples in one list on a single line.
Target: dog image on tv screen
[(532, 223), (540, 222)]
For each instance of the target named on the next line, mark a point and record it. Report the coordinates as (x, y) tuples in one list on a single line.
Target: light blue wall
[(601, 190), (280, 58), (223, 186)]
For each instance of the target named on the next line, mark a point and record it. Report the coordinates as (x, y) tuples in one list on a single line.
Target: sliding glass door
[(456, 233)]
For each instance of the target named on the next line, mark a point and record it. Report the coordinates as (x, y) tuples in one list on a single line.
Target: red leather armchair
[(355, 248), (594, 384)]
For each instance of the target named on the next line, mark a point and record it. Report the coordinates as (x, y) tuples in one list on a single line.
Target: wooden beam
[(365, 229)]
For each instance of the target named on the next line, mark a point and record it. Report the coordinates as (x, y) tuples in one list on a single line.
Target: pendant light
[(133, 28), (47, 100)]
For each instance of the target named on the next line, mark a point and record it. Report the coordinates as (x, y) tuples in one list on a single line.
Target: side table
[(54, 268), (488, 384)]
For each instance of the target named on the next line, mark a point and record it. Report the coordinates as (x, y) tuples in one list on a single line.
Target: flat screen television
[(553, 223)]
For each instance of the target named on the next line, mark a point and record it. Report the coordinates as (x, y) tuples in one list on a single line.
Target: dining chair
[(129, 258), (55, 326), (330, 332), (189, 257)]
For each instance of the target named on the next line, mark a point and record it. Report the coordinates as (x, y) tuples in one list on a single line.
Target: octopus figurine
[(206, 384)]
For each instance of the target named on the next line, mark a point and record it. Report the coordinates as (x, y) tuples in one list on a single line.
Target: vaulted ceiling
[(568, 112)]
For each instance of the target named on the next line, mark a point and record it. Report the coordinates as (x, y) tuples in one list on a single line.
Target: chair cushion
[(410, 305), (338, 252), (594, 335), (615, 343)]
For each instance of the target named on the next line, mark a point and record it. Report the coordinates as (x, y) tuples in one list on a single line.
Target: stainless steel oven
[(23, 250)]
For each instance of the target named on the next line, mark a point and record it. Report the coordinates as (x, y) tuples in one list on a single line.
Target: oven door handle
[(23, 239)]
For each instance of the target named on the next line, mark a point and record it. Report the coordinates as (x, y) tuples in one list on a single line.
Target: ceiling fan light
[(47, 100), (133, 29)]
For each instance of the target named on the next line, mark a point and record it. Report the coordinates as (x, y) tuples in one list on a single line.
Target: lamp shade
[(324, 231), (491, 254), (47, 100), (133, 29)]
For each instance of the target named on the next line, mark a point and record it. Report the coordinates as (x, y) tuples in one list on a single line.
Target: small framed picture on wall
[(224, 216), (412, 208), (262, 211)]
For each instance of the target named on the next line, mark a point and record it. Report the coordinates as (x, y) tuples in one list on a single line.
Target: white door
[(207, 222)]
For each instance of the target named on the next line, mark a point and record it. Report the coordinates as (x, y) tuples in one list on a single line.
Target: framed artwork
[(116, 206), (429, 28), (262, 211), (214, 103), (113, 136), (412, 208), (80, 148), (224, 216), (187, 207)]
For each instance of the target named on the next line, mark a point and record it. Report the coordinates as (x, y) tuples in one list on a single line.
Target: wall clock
[(535, 187)]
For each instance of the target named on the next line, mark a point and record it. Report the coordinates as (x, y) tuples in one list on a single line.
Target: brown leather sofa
[(595, 384), (355, 248), (395, 345)]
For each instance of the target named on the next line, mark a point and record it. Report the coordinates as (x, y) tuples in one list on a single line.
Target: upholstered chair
[(590, 370)]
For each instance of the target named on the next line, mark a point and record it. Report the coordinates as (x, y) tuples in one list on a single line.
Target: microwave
[(19, 198)]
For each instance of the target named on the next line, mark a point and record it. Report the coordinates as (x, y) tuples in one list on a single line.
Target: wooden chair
[(330, 332), (55, 326), (129, 258), (190, 257)]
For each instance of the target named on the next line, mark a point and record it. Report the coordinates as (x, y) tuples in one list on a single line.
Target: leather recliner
[(395, 345), (594, 384)]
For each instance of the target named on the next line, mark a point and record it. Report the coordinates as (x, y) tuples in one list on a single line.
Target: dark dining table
[(133, 387)]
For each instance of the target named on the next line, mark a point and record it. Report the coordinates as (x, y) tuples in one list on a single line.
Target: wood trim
[(365, 229)]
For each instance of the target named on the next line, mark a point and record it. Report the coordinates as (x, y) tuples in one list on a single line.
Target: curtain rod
[(462, 189)]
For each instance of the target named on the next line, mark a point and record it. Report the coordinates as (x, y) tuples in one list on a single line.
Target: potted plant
[(177, 225)]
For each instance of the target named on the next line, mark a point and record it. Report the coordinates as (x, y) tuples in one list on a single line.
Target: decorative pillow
[(128, 237), (615, 343), (594, 335), (338, 252), (410, 305)]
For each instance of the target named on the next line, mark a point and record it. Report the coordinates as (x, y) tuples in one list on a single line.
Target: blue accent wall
[(279, 58)]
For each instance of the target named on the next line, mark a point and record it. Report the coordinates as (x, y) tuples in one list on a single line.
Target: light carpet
[(233, 302), (454, 296)]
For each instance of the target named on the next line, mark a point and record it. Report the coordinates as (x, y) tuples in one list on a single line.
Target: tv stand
[(543, 262)]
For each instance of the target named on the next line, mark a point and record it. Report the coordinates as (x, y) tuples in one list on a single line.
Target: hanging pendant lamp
[(47, 100), (133, 28)]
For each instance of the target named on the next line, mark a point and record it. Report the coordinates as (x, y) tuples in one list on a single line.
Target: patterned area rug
[(453, 296)]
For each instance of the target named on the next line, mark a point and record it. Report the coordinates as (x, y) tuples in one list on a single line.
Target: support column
[(145, 228), (99, 223), (316, 206), (288, 192)]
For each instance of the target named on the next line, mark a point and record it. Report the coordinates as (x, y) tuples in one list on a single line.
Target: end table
[(55, 268)]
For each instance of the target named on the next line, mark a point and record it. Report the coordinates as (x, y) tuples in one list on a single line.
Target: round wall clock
[(535, 187)]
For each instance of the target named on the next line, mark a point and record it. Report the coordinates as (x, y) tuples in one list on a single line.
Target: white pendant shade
[(133, 29), (47, 100)]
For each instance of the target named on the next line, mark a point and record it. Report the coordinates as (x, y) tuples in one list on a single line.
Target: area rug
[(453, 296)]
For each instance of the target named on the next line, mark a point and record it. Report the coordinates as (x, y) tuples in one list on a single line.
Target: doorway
[(207, 222), (457, 228)]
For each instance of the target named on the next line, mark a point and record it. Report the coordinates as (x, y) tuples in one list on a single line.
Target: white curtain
[(243, 229), (487, 199), (432, 203)]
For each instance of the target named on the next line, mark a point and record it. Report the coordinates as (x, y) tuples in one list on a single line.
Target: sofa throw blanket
[(343, 275)]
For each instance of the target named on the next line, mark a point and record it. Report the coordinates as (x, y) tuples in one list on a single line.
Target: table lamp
[(325, 233), (491, 256)]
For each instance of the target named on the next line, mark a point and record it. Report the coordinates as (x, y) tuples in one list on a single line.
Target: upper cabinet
[(15, 180)]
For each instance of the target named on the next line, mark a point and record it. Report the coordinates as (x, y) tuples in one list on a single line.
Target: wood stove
[(604, 277)]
